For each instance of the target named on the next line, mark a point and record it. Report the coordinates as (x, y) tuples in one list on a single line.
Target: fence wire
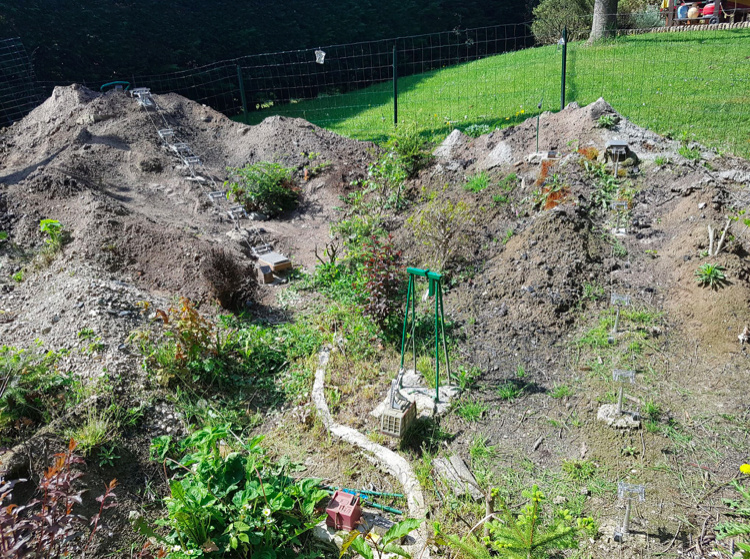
[(691, 84), (19, 90)]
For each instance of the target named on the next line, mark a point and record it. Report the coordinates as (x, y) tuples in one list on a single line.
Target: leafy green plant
[(367, 545), (508, 236), (711, 275), (227, 497), (477, 183), (18, 276), (661, 161), (263, 187), (3, 236), (592, 292), (54, 231), (607, 121), (476, 130)]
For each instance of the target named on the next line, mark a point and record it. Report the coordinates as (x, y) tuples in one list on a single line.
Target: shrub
[(54, 231), (382, 272), (441, 226), (411, 149), (263, 187), (551, 16), (528, 535), (232, 283), (48, 527)]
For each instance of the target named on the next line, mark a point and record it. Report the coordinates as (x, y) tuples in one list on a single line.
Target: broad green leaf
[(400, 529), (396, 549), (353, 535), (361, 547)]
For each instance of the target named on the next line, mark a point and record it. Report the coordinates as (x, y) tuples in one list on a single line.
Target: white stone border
[(393, 463)]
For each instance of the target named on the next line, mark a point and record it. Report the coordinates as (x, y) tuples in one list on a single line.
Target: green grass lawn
[(692, 85)]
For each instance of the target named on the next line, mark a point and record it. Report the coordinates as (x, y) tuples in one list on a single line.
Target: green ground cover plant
[(228, 497)]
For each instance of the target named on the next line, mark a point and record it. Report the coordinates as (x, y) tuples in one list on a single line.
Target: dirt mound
[(95, 162)]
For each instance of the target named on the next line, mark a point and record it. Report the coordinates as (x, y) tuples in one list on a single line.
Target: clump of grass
[(608, 121), (509, 391), (470, 410), (711, 275), (579, 470), (561, 391), (478, 182), (694, 154)]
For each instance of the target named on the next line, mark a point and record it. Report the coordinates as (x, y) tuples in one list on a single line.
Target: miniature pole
[(242, 93), (617, 321), (619, 401), (626, 520), (406, 319), (564, 61), (395, 86), (442, 329), (437, 344)]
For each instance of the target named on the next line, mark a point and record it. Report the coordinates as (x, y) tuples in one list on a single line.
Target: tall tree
[(605, 19)]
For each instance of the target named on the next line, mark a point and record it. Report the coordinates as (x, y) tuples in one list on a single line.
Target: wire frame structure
[(19, 91)]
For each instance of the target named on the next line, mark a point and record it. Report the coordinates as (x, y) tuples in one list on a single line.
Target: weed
[(652, 253), (629, 451), (592, 292), (471, 410), (478, 182), (476, 130), (508, 236), (661, 161), (18, 277), (509, 391), (3, 236), (85, 334), (480, 450), (579, 470), (54, 231), (520, 372), (561, 391), (607, 121), (711, 275), (693, 154), (652, 410), (98, 427), (263, 187), (411, 149), (739, 526), (368, 544), (313, 169), (108, 455), (466, 378)]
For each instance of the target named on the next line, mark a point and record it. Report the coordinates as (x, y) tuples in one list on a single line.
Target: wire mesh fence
[(19, 90), (692, 84)]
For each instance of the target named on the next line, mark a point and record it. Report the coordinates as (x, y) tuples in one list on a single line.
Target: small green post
[(395, 86), (242, 93), (437, 342)]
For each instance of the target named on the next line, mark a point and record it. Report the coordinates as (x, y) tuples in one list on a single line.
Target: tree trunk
[(605, 19)]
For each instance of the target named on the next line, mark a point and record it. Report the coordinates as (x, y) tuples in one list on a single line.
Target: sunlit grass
[(692, 85)]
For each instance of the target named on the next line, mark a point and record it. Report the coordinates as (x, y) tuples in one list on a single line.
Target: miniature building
[(343, 512), (395, 421)]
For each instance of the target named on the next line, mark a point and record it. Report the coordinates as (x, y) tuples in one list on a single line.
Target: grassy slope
[(694, 83)]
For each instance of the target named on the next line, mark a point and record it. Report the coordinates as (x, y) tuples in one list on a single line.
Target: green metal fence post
[(406, 318), (437, 341), (395, 86), (442, 329), (242, 93), (564, 62)]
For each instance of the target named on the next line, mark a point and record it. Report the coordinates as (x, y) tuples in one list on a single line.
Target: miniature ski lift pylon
[(616, 149), (618, 301), (434, 289), (628, 492), (143, 94), (622, 376), (620, 207)]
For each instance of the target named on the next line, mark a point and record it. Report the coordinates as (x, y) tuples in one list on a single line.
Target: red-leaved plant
[(382, 272), (47, 527)]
